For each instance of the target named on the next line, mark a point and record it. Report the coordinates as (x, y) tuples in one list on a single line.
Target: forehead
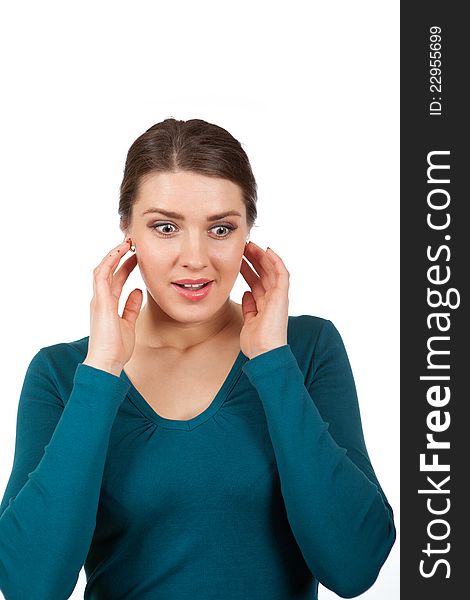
[(185, 190)]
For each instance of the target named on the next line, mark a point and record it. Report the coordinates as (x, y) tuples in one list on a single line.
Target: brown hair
[(193, 145)]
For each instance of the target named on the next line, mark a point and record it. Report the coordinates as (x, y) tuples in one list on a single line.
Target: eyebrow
[(173, 215)]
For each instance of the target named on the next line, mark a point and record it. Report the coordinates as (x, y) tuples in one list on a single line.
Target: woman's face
[(197, 238)]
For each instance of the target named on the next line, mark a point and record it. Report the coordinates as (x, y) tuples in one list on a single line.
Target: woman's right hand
[(112, 338)]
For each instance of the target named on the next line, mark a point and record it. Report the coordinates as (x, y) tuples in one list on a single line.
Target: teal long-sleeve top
[(266, 493)]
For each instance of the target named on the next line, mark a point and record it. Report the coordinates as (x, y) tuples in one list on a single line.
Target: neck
[(156, 329)]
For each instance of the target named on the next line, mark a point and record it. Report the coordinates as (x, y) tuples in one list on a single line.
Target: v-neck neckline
[(188, 424)]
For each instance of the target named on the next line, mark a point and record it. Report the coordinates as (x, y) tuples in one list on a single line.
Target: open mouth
[(193, 293), (191, 287)]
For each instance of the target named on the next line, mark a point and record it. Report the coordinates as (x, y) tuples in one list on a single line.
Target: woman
[(194, 448)]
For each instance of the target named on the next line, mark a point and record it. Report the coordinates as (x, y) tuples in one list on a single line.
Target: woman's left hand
[(265, 307)]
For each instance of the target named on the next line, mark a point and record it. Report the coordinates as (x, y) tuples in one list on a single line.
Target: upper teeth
[(194, 287)]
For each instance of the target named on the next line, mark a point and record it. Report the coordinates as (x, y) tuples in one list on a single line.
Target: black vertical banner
[(435, 269)]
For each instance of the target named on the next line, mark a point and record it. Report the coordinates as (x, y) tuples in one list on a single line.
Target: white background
[(310, 89)]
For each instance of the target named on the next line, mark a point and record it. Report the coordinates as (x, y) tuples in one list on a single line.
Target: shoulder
[(308, 329), (62, 354), (313, 340), (58, 362)]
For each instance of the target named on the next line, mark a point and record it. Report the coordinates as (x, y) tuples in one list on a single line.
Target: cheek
[(153, 268), (228, 252), (227, 259), (232, 268)]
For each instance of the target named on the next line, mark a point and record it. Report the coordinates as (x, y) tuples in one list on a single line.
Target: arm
[(337, 510), (48, 511)]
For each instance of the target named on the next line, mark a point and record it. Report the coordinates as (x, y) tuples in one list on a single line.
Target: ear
[(126, 233), (124, 229)]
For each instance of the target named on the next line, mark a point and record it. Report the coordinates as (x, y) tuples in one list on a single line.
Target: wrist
[(263, 351), (104, 365)]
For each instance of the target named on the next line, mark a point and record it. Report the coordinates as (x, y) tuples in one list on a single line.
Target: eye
[(228, 227), (157, 225)]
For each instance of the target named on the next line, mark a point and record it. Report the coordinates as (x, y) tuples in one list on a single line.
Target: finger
[(132, 307), (111, 260), (121, 275), (104, 271), (281, 270), (248, 306), (262, 264), (252, 280)]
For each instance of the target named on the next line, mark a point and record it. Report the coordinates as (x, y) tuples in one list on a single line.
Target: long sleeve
[(336, 508), (48, 512)]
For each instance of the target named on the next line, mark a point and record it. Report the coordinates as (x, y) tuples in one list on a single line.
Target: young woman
[(195, 447)]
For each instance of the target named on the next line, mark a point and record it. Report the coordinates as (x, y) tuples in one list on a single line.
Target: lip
[(193, 281), (193, 294)]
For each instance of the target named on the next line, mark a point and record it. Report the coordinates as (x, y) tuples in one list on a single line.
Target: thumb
[(248, 306), (132, 306)]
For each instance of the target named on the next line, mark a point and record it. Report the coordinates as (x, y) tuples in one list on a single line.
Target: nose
[(193, 252)]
